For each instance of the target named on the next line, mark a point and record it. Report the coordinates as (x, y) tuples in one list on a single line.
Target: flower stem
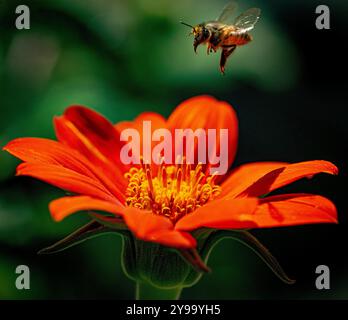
[(146, 291)]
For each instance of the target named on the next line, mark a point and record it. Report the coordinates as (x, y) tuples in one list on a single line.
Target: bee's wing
[(247, 20), (227, 12)]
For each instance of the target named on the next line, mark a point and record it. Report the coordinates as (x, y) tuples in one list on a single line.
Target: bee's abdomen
[(238, 39)]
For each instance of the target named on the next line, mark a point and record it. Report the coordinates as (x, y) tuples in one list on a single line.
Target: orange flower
[(163, 204)]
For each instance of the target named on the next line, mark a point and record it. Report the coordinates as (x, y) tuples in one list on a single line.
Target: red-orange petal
[(95, 137), (257, 179), (145, 225), (157, 122), (294, 209), (155, 228), (50, 152), (63, 207), (245, 175), (221, 214), (66, 179), (205, 112)]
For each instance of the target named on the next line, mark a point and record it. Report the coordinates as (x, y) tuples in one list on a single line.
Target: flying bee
[(221, 34)]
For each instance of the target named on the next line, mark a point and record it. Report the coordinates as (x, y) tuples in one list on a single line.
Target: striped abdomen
[(237, 38)]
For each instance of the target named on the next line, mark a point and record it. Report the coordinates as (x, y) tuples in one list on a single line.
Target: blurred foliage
[(122, 58)]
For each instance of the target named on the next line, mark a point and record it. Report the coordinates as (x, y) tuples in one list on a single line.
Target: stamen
[(178, 179), (149, 180), (164, 177), (176, 190)]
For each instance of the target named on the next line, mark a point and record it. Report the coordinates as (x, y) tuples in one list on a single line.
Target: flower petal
[(245, 175), (66, 179), (294, 209), (291, 173), (50, 152), (172, 238), (63, 207), (95, 137), (150, 227), (205, 112), (157, 122), (257, 179), (90, 132), (221, 214)]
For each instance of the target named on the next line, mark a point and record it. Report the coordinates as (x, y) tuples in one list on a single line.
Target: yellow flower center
[(176, 190)]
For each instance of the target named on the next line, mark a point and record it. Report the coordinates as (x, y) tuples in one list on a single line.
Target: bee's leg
[(225, 53), (214, 41), (209, 48)]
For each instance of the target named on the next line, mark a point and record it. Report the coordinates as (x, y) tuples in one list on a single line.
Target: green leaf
[(111, 222), (88, 231), (194, 259), (251, 242)]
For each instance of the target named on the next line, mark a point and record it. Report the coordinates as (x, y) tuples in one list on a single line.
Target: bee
[(221, 34)]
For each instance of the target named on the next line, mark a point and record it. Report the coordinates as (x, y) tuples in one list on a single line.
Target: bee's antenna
[(186, 24)]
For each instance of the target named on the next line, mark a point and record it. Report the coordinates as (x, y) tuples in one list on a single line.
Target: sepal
[(86, 232)]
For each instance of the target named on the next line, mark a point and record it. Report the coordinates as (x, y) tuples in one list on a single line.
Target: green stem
[(146, 291)]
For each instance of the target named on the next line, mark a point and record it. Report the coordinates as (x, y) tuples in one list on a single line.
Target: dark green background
[(289, 88)]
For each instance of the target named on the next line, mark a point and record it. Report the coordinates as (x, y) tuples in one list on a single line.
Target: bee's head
[(200, 32)]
